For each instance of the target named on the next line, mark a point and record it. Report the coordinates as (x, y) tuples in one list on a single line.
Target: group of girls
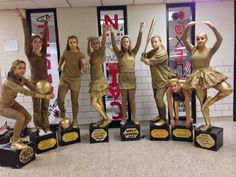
[(75, 63)]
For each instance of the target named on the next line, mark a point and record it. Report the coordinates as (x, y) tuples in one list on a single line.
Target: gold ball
[(43, 87), (65, 123)]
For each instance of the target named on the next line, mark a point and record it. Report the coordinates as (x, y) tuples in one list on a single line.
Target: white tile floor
[(142, 158)]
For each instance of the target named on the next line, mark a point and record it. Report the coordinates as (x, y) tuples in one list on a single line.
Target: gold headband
[(173, 80)]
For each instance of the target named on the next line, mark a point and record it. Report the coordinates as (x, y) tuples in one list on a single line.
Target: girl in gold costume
[(175, 94), (36, 50), (157, 59), (10, 108), (127, 78), (75, 62), (98, 84), (203, 76)]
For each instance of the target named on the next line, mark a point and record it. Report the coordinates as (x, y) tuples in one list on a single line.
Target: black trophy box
[(129, 131), (181, 133), (68, 136), (43, 143), (98, 134), (211, 139), (16, 158), (159, 133)]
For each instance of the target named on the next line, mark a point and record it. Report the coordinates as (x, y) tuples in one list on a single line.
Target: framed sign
[(116, 16), (178, 15)]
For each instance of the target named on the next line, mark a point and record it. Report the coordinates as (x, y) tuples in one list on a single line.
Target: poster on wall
[(36, 20), (116, 17), (178, 15)]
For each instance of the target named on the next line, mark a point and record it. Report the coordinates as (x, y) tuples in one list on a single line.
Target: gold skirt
[(127, 80), (72, 83), (98, 87), (204, 78)]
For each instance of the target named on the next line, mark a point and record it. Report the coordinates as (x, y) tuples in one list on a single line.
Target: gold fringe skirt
[(204, 78), (98, 87)]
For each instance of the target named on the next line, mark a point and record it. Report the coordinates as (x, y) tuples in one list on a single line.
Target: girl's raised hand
[(18, 12), (208, 23), (191, 24)]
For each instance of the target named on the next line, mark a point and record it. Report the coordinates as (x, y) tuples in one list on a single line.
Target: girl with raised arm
[(36, 50), (157, 59), (127, 79), (98, 84), (203, 76)]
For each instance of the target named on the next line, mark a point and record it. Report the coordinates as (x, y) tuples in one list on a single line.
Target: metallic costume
[(98, 84), (204, 77), (176, 94), (127, 78), (38, 65), (70, 80), (160, 72), (10, 108)]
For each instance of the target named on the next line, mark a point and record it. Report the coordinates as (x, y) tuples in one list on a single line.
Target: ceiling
[(34, 4)]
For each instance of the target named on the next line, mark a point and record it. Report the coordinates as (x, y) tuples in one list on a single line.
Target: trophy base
[(130, 131), (98, 134), (16, 158), (159, 133), (43, 143), (68, 136), (211, 139), (181, 133)]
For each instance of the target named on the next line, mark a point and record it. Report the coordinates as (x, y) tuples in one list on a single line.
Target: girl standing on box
[(157, 59), (127, 78), (98, 84), (75, 62), (36, 50), (203, 76), (10, 108)]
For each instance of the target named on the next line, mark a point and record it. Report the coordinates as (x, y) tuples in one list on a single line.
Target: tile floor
[(142, 158)]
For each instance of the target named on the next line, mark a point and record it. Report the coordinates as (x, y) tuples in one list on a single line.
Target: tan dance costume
[(38, 65), (98, 84), (127, 78), (203, 76), (160, 72), (12, 109), (70, 80)]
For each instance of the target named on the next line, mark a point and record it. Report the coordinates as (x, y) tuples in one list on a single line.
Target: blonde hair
[(173, 80), (202, 33), (15, 64), (95, 38)]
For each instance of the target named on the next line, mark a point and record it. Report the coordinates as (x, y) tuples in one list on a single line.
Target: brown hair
[(34, 37), (121, 47), (72, 37)]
